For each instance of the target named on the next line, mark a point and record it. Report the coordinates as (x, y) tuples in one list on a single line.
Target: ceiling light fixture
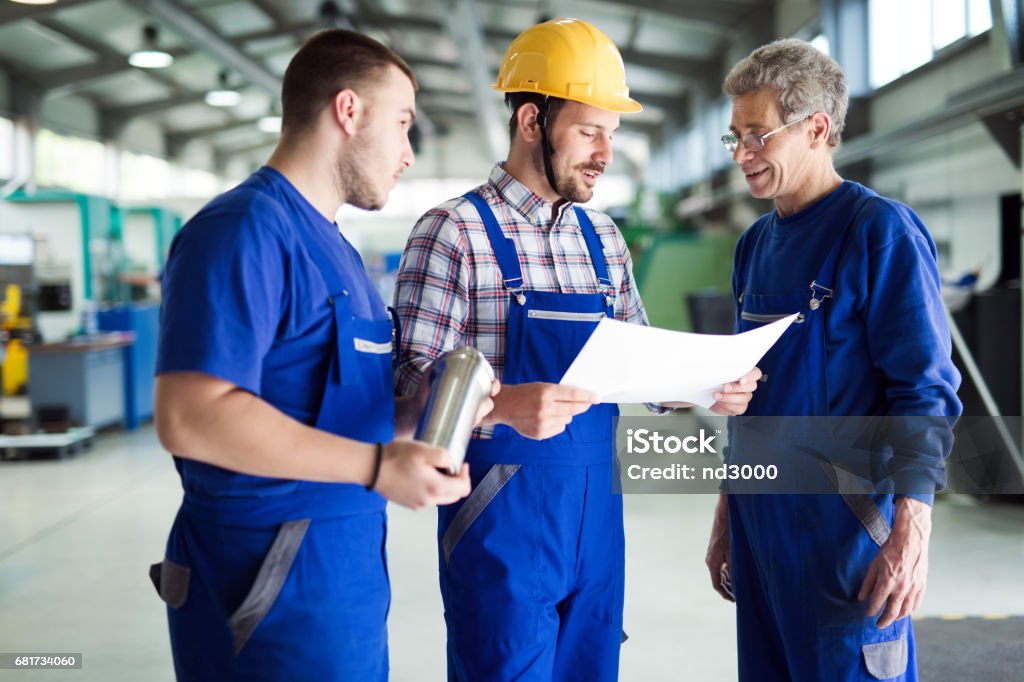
[(150, 56), (269, 124), (35, 2), (223, 96)]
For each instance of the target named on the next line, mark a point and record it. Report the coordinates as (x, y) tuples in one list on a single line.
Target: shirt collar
[(530, 205)]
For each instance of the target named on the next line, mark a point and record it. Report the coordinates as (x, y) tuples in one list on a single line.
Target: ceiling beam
[(126, 113), (464, 28), (206, 39), (76, 78), (177, 139), (717, 17), (105, 52)]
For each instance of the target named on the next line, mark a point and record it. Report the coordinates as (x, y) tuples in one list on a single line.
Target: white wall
[(926, 92), (459, 154), (143, 137), (71, 115), (954, 180)]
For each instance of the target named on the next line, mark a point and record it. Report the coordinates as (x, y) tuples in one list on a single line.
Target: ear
[(347, 110), (820, 128), (526, 120)]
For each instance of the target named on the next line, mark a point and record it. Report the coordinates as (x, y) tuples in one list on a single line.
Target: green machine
[(673, 267)]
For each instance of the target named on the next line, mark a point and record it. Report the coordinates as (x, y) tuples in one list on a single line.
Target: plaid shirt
[(450, 291)]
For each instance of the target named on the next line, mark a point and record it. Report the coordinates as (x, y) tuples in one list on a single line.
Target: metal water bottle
[(459, 382)]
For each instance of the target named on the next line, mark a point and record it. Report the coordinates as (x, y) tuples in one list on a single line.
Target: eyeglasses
[(754, 142)]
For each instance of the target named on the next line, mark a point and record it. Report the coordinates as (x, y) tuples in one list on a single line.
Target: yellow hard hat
[(570, 59)]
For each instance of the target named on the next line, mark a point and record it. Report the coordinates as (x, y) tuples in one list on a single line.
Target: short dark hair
[(328, 62), (514, 100)]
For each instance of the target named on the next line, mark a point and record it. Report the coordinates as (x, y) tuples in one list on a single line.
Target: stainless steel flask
[(459, 382)]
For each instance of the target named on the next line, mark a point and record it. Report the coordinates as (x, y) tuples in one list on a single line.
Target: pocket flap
[(171, 582), (886, 660)]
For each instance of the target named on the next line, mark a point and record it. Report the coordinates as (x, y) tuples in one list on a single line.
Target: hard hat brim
[(618, 104)]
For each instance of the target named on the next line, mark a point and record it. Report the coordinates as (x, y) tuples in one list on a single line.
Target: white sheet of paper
[(631, 363)]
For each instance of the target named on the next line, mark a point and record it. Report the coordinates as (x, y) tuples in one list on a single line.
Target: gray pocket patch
[(483, 494), (171, 582), (269, 581), (886, 660)]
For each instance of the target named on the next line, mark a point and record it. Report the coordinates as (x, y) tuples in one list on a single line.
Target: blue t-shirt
[(244, 301), (887, 343)]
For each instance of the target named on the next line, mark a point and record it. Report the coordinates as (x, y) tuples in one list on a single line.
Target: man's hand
[(487, 406), (717, 558), (896, 577), (410, 476), (539, 410), (734, 398)]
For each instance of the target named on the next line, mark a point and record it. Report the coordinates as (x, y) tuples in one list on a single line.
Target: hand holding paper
[(631, 363)]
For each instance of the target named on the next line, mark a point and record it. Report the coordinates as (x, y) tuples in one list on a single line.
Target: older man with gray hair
[(824, 584)]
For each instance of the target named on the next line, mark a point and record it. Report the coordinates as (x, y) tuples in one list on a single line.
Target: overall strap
[(504, 249), (594, 246), (396, 337), (328, 270), (822, 286)]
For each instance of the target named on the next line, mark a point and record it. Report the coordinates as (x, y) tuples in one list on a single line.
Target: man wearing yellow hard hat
[(532, 562)]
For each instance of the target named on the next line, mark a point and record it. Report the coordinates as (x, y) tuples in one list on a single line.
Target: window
[(979, 16), (73, 163), (142, 177), (820, 42), (904, 34)]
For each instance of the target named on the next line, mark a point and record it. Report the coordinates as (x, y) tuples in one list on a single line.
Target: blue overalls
[(532, 562), (798, 561), (291, 584)]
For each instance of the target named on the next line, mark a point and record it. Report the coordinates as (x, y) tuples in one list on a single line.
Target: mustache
[(595, 167)]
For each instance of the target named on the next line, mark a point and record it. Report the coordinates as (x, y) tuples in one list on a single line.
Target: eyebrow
[(754, 126), (411, 112), (596, 125)]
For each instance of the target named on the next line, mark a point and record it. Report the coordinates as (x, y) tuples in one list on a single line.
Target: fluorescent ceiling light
[(150, 59), (269, 124), (223, 98), (35, 2), (149, 55)]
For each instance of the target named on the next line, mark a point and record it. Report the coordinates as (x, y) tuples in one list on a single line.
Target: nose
[(603, 151), (408, 156), (741, 154)]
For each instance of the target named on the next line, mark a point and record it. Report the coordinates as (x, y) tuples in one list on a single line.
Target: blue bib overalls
[(798, 561), (291, 583), (531, 563)]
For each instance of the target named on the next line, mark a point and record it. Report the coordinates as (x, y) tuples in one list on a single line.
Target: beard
[(354, 181), (570, 185)]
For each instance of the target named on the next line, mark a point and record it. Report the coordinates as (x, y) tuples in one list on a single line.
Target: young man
[(824, 584), (275, 394), (532, 562)]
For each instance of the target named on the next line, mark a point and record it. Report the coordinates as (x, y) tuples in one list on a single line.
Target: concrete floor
[(77, 537)]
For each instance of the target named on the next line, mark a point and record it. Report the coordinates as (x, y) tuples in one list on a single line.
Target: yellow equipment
[(570, 59), (15, 357)]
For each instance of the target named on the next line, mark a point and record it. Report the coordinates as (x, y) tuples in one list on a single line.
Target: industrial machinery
[(17, 311)]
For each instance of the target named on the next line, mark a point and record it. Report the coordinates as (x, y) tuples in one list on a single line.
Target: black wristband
[(376, 467)]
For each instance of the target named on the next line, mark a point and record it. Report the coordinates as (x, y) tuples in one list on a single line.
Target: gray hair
[(806, 80)]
